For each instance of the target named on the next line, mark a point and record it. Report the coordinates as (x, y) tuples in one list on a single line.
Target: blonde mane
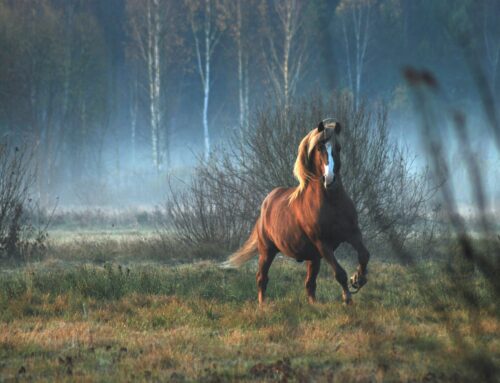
[(302, 169)]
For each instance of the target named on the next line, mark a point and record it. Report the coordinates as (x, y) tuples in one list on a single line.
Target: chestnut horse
[(309, 222)]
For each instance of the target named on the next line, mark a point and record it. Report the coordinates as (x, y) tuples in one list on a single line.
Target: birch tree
[(356, 20), (207, 19), (242, 34), (285, 47), (134, 111), (150, 25), (30, 34)]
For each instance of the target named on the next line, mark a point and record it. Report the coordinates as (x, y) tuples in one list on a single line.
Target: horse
[(308, 222)]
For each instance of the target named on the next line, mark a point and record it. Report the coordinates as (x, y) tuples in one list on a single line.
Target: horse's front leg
[(359, 279), (327, 252)]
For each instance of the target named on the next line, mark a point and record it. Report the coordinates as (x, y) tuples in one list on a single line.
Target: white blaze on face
[(328, 172)]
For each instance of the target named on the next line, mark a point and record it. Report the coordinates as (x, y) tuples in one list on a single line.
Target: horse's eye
[(321, 147)]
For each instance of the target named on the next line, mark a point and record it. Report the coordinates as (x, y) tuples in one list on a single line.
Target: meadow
[(119, 305)]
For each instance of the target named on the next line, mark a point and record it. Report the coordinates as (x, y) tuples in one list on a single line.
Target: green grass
[(196, 322), (122, 245)]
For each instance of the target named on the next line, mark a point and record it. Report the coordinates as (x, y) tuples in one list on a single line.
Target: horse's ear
[(338, 128), (321, 127)]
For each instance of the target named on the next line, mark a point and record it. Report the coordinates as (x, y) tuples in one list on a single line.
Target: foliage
[(223, 201), (428, 103), (76, 78), (19, 239), (200, 323), (55, 88)]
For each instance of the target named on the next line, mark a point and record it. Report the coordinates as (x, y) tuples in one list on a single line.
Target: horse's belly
[(341, 232), (300, 249)]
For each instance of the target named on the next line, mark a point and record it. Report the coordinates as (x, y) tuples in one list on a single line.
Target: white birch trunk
[(246, 93), (154, 79), (356, 16), (148, 25), (361, 24), (133, 122), (240, 65), (210, 39), (242, 71), (348, 55), (286, 56), (285, 60), (157, 80), (206, 88)]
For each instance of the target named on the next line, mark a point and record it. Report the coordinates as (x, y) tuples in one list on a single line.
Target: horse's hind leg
[(312, 274), (266, 258)]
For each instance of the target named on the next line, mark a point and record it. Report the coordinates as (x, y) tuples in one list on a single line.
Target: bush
[(19, 239), (223, 201)]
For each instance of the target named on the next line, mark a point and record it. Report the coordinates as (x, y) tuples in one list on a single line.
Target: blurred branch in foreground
[(474, 259)]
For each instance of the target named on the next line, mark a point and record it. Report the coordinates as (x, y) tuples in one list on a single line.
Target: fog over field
[(139, 139), (114, 98)]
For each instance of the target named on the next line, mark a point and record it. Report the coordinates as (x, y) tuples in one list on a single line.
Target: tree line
[(106, 89)]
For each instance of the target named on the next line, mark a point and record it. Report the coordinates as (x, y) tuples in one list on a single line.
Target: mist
[(117, 105), (250, 190)]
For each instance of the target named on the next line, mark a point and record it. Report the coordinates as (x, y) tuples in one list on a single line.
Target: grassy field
[(76, 316)]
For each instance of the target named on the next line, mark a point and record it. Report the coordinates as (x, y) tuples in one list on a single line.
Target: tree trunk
[(154, 81), (246, 93), (206, 88), (286, 58), (348, 55), (133, 123), (240, 65)]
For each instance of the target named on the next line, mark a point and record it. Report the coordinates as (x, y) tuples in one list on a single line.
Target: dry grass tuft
[(198, 323)]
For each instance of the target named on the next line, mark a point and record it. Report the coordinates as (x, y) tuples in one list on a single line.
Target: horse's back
[(277, 195)]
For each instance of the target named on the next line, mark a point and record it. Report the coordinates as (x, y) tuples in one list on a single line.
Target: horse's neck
[(315, 189)]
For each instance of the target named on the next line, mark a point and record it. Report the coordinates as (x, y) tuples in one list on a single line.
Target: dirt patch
[(281, 371)]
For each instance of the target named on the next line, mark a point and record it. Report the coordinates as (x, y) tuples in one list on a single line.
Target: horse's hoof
[(358, 280), (311, 300), (346, 298)]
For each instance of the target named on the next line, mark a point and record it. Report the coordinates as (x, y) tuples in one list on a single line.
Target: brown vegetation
[(19, 238), (222, 203), (200, 323)]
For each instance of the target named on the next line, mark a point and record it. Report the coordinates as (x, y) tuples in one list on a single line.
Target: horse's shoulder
[(349, 205), (277, 193), (348, 209), (346, 202), (277, 198)]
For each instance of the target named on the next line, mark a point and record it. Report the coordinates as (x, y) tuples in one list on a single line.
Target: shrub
[(222, 202), (19, 238)]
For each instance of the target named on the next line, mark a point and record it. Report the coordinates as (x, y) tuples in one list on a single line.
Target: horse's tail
[(244, 253)]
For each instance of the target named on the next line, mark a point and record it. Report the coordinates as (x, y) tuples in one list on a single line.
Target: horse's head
[(319, 156), (324, 152)]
